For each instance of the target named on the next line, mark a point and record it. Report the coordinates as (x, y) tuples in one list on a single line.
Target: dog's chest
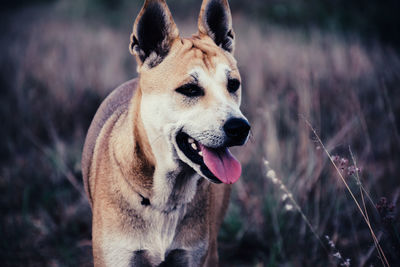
[(170, 232), (156, 238), (163, 230)]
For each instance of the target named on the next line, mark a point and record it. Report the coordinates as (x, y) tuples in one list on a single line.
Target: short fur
[(151, 206)]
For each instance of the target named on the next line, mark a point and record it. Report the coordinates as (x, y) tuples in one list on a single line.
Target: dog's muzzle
[(215, 162)]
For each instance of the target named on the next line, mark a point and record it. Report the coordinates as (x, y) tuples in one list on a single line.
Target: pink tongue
[(222, 164)]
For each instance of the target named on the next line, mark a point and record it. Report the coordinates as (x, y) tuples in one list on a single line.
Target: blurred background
[(334, 63)]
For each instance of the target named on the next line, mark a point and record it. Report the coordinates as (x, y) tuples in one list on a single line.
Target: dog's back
[(112, 107)]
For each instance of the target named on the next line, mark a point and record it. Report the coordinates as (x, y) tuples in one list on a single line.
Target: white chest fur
[(162, 230), (156, 238)]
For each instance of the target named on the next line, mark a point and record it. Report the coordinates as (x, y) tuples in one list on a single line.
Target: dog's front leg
[(176, 258), (140, 259)]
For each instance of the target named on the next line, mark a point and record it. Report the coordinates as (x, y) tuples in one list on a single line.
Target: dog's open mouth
[(217, 164)]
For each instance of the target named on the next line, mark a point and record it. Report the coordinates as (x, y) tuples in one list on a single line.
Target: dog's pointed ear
[(215, 20), (154, 31)]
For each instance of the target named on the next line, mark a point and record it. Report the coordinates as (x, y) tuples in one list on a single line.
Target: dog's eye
[(190, 90), (233, 85)]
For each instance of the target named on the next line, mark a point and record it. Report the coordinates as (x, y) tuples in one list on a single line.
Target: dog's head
[(191, 89)]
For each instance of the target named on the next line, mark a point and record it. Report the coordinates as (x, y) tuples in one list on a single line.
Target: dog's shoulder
[(114, 104)]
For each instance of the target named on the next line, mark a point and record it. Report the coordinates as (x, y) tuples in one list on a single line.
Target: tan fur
[(119, 165)]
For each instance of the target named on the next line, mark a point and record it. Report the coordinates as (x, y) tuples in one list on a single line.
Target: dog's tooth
[(191, 140), (201, 153), (194, 146)]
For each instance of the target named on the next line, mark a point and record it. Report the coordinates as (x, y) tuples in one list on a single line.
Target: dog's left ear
[(215, 20), (154, 31)]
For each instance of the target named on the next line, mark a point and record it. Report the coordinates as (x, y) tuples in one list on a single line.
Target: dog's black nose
[(237, 130)]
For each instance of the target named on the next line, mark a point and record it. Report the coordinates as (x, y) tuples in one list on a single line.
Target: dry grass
[(340, 85), (55, 71)]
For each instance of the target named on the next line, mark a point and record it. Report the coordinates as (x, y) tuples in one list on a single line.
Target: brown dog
[(157, 150)]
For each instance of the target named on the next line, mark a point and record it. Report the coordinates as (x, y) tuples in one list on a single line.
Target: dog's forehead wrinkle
[(204, 49)]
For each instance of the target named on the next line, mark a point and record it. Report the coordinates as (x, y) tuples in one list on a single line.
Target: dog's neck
[(175, 188), (165, 183)]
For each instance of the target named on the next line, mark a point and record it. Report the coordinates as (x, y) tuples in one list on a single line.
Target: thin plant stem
[(383, 257), (358, 180), (271, 174), (362, 197)]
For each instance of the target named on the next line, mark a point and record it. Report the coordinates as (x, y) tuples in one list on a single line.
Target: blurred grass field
[(59, 60)]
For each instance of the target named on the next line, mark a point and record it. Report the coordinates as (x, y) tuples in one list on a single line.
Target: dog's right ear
[(154, 31)]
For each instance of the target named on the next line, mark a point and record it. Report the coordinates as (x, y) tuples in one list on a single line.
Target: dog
[(156, 165)]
